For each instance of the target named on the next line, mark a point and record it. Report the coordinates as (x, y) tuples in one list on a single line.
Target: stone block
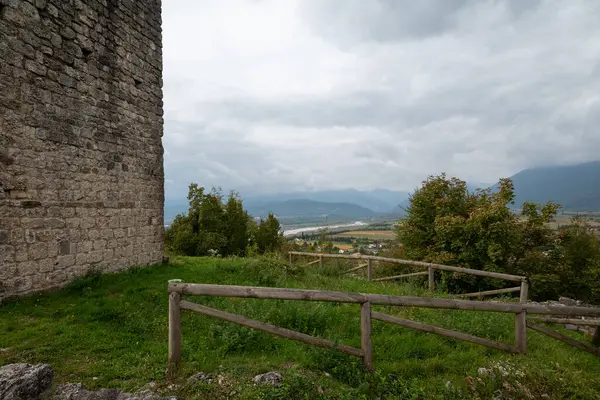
[(46, 265), (4, 237), (66, 261), (37, 251), (7, 254), (85, 247), (81, 258), (95, 256), (35, 67), (27, 268), (21, 253)]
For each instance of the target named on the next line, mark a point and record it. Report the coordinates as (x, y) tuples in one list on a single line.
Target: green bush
[(217, 227), (447, 224)]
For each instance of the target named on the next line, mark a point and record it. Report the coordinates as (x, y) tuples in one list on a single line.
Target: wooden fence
[(177, 290), (523, 288)]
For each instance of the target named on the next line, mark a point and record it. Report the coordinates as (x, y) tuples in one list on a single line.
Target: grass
[(343, 246), (111, 331), (369, 234)]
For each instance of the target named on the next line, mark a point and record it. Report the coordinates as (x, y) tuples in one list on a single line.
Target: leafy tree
[(447, 224), (268, 235), (236, 224), (214, 226), (578, 249)]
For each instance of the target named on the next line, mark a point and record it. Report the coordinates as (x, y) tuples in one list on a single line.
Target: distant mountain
[(344, 204), (309, 208), (575, 187), (379, 200), (174, 207)]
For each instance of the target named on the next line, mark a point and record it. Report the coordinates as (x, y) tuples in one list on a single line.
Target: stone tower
[(81, 156)]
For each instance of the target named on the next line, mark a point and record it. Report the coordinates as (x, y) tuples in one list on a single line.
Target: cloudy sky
[(280, 95)]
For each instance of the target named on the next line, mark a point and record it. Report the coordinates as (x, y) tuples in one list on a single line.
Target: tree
[(213, 226), (236, 221), (268, 235), (445, 223)]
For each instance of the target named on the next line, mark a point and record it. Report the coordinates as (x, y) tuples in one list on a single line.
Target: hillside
[(378, 200), (111, 331), (345, 204), (309, 208), (575, 187)]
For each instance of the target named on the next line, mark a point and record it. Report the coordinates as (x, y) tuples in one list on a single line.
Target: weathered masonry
[(81, 156)]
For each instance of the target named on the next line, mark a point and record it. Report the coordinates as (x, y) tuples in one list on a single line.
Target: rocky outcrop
[(74, 391), (24, 381), (273, 379), (33, 382)]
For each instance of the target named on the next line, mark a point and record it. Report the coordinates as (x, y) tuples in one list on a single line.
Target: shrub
[(447, 224), (217, 227)]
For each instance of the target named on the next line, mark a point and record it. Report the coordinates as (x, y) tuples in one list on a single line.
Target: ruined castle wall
[(81, 156)]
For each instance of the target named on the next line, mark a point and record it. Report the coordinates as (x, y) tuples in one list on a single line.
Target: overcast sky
[(280, 95)]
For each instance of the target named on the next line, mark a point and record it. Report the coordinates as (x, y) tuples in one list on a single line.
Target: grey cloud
[(394, 20), (362, 108), (479, 89), (382, 20), (220, 157)]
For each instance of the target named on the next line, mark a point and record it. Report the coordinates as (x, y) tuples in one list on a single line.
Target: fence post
[(321, 261), (521, 331), (596, 337), (431, 278), (524, 291), (174, 333), (369, 269), (365, 335), (291, 259)]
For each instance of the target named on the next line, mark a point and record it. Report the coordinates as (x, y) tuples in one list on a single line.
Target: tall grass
[(111, 331)]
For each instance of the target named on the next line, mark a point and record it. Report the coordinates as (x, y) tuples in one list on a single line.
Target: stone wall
[(81, 156)]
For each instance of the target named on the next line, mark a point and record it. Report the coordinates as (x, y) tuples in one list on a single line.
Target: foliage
[(571, 267), (269, 237), (447, 224), (214, 226)]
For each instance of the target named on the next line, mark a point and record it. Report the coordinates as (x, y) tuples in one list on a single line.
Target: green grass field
[(111, 331)]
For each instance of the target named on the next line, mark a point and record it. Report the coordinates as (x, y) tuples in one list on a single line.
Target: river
[(295, 231)]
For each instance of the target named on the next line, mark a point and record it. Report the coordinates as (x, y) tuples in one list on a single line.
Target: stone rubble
[(568, 302), (74, 391), (33, 382), (272, 378), (201, 377), (24, 381)]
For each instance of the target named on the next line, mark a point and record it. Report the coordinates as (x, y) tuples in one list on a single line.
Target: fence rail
[(431, 267), (178, 289)]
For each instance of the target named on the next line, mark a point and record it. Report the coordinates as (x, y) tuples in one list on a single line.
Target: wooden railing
[(523, 288), (177, 290)]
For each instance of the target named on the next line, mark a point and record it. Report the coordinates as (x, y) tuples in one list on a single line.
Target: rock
[(571, 327), (273, 379), (201, 377), (567, 301), (74, 391), (24, 381)]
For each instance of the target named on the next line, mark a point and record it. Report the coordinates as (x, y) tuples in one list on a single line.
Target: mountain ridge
[(309, 208), (575, 187)]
